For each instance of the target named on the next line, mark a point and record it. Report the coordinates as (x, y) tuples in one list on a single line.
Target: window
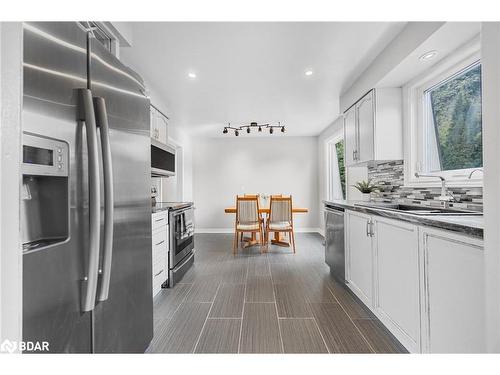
[(454, 122), (444, 123), (336, 168), (339, 149)]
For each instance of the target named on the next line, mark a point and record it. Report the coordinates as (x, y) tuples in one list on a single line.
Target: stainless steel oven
[(181, 252)]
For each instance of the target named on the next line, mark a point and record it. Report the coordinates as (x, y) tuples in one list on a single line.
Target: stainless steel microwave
[(162, 159)]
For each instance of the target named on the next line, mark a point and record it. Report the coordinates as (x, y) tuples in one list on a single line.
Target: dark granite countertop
[(164, 206), (159, 207), (467, 225)]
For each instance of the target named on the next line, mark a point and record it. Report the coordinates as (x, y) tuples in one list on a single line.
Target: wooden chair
[(249, 196), (248, 219), (280, 218)]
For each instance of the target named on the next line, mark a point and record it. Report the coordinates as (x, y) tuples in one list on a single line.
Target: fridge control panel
[(44, 156)]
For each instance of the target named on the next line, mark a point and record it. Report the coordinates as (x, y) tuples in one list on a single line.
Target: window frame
[(330, 147), (415, 130)]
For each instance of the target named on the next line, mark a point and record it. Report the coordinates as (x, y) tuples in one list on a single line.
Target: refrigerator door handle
[(87, 115), (105, 271)]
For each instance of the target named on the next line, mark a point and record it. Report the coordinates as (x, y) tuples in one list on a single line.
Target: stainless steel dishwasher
[(334, 241)]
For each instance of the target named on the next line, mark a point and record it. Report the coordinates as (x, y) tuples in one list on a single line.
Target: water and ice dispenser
[(44, 192)]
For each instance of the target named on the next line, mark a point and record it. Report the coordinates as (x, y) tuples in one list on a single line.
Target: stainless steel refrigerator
[(85, 208)]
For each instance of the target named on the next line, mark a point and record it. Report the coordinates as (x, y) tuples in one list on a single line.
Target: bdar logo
[(8, 346)]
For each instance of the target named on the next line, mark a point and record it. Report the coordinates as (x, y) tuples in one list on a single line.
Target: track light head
[(282, 129), (271, 130), (236, 133), (260, 128), (248, 130), (224, 131)]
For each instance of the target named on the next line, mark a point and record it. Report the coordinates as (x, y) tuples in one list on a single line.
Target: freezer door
[(123, 323), (54, 67)]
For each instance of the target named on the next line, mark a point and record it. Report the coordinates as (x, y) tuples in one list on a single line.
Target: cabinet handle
[(157, 220), (367, 228), (372, 232), (159, 243), (159, 273)]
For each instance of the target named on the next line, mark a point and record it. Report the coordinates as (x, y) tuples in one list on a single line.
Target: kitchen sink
[(420, 210)]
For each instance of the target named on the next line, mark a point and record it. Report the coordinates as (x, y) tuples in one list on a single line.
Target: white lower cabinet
[(159, 250), (425, 285), (453, 293), (396, 270), (359, 262)]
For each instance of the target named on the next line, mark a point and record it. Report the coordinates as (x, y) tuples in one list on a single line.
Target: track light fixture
[(248, 128)]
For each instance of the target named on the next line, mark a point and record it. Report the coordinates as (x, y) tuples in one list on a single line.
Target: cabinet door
[(366, 125), (153, 122), (162, 128), (359, 256), (397, 279), (350, 137), (454, 293)]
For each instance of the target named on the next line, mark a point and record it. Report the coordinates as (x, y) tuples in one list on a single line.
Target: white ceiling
[(254, 71), (445, 40)]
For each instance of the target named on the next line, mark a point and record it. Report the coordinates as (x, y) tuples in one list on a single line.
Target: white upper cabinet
[(373, 127), (350, 136), (365, 116), (159, 125)]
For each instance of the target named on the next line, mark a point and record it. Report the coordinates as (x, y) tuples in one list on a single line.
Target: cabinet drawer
[(159, 219), (159, 238), (158, 281), (159, 260)]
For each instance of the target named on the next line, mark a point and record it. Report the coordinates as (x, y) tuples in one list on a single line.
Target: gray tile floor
[(277, 302)]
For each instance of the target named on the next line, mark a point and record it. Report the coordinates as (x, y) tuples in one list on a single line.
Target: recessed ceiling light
[(308, 73), (191, 75), (428, 55)]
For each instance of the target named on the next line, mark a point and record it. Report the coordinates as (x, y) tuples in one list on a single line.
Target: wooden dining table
[(265, 211)]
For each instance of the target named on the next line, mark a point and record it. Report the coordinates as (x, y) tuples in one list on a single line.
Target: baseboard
[(214, 230), (231, 230)]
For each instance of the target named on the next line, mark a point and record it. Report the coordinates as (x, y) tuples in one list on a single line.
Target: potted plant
[(365, 188)]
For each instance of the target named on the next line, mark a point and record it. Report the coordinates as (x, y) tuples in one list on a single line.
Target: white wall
[(225, 167), (10, 145), (410, 38), (490, 60), (332, 130)]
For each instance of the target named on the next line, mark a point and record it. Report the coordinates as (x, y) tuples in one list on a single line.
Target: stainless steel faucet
[(475, 170), (445, 196)]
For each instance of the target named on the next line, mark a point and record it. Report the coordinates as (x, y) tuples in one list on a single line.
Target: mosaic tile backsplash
[(389, 176)]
